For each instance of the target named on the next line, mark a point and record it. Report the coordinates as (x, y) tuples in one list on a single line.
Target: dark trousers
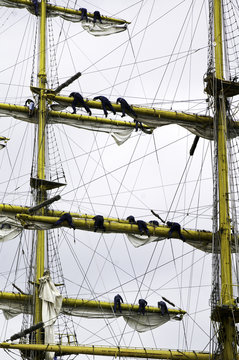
[(176, 228), (65, 217), (78, 100), (117, 303)]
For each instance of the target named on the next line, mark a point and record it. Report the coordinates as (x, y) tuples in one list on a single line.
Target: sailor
[(154, 223), (78, 100), (36, 8), (99, 223), (31, 106), (105, 104), (65, 217), (83, 14), (174, 226), (126, 108), (164, 309), (138, 125), (143, 227), (97, 17), (131, 219), (142, 304), (117, 303)]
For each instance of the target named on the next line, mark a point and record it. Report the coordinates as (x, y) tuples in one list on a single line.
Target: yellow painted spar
[(113, 351), (90, 304), (149, 112), (120, 227), (63, 10)]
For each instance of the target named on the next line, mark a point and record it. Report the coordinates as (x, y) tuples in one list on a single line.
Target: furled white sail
[(120, 133), (9, 228), (107, 27), (51, 306), (138, 322)]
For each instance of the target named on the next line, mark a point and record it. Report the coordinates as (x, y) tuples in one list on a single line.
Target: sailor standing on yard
[(126, 108), (174, 226), (99, 223), (163, 307), (142, 304), (105, 104), (31, 106), (65, 217), (117, 302), (83, 14), (78, 100), (97, 17)]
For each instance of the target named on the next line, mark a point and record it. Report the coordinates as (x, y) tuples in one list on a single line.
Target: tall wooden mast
[(41, 192), (228, 328)]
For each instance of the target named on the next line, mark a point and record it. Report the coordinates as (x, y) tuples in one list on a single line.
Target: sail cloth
[(138, 322), (11, 309), (51, 306), (107, 27), (140, 240), (9, 228), (120, 133), (195, 128)]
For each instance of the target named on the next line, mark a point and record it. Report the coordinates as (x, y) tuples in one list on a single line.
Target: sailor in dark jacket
[(78, 100), (142, 227), (154, 223), (142, 304), (99, 223), (162, 305), (83, 14), (131, 219), (65, 217), (117, 302), (105, 104), (126, 108), (36, 7), (97, 17), (175, 227)]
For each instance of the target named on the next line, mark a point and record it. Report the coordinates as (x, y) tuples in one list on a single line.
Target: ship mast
[(228, 328), (41, 191)]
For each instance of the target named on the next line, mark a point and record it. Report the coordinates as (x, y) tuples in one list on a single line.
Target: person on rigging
[(105, 104), (65, 217), (154, 223), (99, 223), (97, 17), (126, 108), (36, 7), (117, 303), (142, 225), (163, 307), (31, 106), (142, 304), (131, 219), (83, 14), (78, 100), (174, 226)]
